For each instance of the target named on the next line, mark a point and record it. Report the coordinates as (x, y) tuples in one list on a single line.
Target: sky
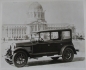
[(56, 12)]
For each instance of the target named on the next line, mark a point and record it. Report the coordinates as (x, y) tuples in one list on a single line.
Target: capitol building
[(36, 22)]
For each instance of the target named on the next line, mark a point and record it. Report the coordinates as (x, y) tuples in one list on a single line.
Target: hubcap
[(20, 59), (68, 54)]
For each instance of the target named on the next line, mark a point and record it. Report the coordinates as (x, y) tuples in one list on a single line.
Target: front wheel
[(20, 59), (68, 55)]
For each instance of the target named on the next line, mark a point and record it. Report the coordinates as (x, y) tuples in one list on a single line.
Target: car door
[(54, 45), (40, 47)]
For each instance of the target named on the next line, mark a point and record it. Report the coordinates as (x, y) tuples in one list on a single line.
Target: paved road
[(47, 63)]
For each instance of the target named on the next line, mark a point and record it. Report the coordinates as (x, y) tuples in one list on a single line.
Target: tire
[(20, 59), (55, 58), (68, 55)]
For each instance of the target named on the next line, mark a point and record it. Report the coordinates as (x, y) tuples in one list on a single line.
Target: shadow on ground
[(46, 62)]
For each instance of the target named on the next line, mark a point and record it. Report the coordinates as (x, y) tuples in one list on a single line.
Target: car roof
[(53, 30)]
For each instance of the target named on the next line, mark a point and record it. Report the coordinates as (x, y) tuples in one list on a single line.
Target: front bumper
[(77, 50), (8, 56), (8, 59)]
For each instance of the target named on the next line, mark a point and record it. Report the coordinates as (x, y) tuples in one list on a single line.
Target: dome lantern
[(35, 6), (36, 12)]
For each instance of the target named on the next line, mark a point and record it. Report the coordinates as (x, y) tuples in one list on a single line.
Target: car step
[(55, 56)]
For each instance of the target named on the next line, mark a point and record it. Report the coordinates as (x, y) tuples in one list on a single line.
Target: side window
[(54, 35), (45, 36), (66, 35)]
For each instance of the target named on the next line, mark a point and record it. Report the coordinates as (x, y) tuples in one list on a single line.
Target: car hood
[(23, 44)]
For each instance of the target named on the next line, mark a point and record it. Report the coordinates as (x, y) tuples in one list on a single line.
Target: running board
[(55, 56)]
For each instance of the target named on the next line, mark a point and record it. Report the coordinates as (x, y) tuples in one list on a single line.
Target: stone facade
[(36, 22)]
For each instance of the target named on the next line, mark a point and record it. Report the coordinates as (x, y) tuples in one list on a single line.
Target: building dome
[(35, 6), (36, 13)]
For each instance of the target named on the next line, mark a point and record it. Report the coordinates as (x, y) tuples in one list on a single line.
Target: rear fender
[(67, 46)]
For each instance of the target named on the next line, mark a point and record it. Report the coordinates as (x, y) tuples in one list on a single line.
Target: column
[(37, 27), (13, 32), (20, 32), (8, 32), (34, 28), (16, 32)]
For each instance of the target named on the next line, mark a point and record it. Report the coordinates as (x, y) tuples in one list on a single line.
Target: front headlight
[(13, 46)]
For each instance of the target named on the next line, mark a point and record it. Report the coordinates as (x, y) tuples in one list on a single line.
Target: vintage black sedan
[(43, 43)]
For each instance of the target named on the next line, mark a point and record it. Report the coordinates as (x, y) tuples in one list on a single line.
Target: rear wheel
[(20, 59), (68, 55)]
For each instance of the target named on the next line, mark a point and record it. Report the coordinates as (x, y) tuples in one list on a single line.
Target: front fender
[(67, 46), (27, 49)]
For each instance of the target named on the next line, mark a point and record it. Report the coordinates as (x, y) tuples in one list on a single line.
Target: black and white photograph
[(43, 34)]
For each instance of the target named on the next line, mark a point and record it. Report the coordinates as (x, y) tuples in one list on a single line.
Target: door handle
[(48, 44)]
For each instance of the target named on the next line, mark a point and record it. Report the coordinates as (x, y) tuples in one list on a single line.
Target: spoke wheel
[(67, 55), (20, 59)]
